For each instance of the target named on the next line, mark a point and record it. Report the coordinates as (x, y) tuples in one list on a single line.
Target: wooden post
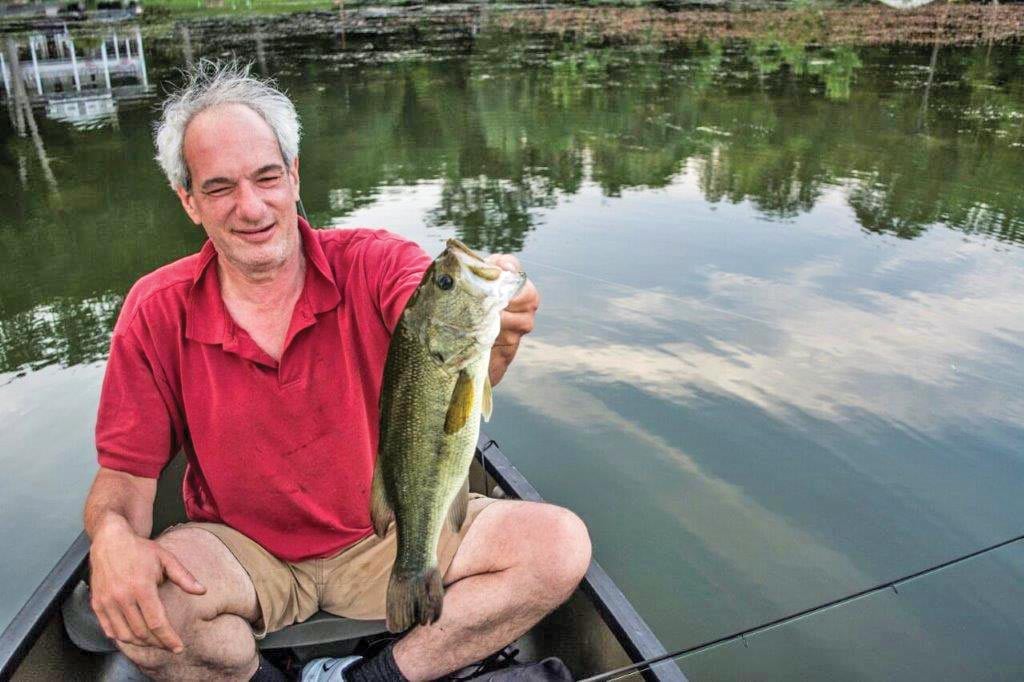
[(261, 53), (106, 67), (10, 93), (24, 111), (15, 88), (3, 68), (117, 48), (142, 58), (22, 169), (922, 115), (186, 44), (74, 65), (35, 64)]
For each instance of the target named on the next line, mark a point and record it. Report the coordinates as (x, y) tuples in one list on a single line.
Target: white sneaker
[(327, 669)]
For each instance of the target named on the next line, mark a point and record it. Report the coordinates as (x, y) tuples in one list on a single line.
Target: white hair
[(209, 84)]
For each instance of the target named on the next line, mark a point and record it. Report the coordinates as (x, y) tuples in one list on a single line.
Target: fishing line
[(483, 460), (626, 671)]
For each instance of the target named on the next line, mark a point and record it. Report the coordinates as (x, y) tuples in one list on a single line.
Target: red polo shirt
[(283, 452)]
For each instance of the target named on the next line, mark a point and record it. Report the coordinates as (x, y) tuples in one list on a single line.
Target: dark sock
[(267, 672), (380, 668)]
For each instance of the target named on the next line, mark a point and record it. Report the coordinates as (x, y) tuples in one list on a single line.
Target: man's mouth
[(256, 235)]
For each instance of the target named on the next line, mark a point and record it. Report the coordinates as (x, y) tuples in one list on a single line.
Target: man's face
[(242, 193)]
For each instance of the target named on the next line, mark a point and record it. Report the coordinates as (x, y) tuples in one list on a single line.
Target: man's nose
[(249, 206)]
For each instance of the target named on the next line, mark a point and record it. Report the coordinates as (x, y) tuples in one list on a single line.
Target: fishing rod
[(625, 671)]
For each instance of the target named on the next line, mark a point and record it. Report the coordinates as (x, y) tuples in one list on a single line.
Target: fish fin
[(457, 512), (381, 513), (488, 404), (414, 599), (461, 404)]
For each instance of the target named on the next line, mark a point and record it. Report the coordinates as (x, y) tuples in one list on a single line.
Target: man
[(262, 356)]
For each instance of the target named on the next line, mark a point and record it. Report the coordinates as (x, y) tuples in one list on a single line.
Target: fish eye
[(445, 282)]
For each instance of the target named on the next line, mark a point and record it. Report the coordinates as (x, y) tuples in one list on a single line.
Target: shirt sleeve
[(136, 431), (403, 264)]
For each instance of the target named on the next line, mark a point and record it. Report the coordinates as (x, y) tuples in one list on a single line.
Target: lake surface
[(778, 358)]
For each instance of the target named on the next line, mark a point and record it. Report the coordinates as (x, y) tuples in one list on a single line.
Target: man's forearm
[(118, 498)]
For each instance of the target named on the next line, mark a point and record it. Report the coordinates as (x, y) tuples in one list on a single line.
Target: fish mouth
[(487, 279), (455, 245)]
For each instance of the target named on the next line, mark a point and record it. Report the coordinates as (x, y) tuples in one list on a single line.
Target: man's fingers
[(514, 325), (138, 626), (526, 301), (122, 632), (156, 619), (505, 262), (104, 623), (180, 575)]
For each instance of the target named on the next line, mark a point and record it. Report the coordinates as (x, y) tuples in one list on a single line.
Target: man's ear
[(188, 202), (293, 170)]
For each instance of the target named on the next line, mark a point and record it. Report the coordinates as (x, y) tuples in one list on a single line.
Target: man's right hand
[(126, 571)]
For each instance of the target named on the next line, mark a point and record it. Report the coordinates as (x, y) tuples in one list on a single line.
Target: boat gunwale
[(28, 623), (618, 614), (630, 629)]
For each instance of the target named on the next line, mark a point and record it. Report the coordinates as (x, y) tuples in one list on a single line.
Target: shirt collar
[(207, 319)]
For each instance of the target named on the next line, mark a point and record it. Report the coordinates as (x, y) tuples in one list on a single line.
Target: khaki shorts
[(352, 583)]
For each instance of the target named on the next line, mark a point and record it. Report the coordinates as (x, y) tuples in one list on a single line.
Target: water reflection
[(800, 424), (781, 281), (80, 84), (67, 331)]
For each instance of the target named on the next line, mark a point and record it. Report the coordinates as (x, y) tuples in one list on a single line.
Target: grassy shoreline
[(825, 22), (806, 21), (860, 25), (213, 7)]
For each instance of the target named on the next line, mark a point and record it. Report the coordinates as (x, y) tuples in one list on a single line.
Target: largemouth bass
[(434, 392)]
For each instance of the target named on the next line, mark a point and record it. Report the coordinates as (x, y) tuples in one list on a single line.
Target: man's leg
[(517, 563), (215, 627)]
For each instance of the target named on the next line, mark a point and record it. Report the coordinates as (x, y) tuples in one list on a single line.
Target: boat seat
[(83, 627)]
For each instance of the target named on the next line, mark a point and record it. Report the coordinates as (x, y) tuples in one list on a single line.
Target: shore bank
[(862, 25)]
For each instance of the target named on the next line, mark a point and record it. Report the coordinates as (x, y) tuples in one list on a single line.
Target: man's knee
[(215, 636), (220, 643), (561, 551), (198, 552), (229, 589), (198, 661)]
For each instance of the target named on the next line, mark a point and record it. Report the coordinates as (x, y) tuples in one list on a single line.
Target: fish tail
[(414, 598)]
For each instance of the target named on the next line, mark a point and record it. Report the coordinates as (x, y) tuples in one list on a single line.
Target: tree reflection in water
[(914, 137)]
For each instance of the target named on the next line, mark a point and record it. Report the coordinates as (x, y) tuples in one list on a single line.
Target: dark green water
[(778, 358)]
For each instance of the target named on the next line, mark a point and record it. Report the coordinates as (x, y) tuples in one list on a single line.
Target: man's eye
[(269, 179), (219, 191)]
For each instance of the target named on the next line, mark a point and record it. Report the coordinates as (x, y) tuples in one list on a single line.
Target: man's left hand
[(516, 319)]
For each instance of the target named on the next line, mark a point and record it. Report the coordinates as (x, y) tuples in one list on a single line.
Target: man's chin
[(258, 260)]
